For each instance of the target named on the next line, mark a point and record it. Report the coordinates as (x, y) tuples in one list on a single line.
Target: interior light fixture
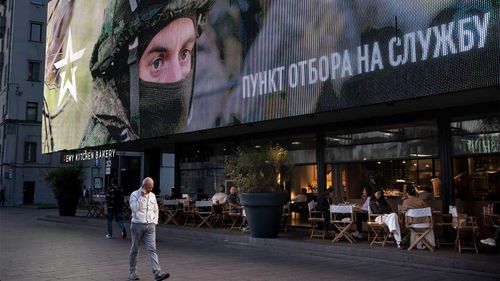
[(295, 142), (258, 146), (420, 155)]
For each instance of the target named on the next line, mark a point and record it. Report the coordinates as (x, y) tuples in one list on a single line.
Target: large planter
[(67, 204), (263, 211)]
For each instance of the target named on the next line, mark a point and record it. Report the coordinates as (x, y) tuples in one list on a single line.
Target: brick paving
[(33, 249)]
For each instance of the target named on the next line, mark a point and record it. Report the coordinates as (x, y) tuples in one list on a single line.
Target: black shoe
[(162, 276), (124, 233)]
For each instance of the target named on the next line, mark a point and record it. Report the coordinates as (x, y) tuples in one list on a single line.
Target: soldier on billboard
[(143, 67)]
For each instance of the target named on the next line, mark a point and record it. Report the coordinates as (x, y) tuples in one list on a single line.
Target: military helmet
[(124, 20)]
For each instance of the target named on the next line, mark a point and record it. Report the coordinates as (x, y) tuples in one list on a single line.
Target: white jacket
[(144, 209)]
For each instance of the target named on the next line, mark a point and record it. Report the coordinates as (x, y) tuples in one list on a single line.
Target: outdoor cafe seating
[(205, 211), (419, 222), (378, 232), (465, 226), (236, 217), (315, 218), (343, 218), (95, 208), (169, 210), (286, 217)]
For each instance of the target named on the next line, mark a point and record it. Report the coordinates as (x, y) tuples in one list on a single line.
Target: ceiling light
[(420, 155), (295, 142)]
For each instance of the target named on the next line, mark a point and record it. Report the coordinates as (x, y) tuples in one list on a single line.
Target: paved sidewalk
[(39, 245), (296, 240)]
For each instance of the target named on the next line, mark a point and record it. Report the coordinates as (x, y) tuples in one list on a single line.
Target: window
[(29, 151), (477, 136), (31, 111), (36, 32), (33, 71)]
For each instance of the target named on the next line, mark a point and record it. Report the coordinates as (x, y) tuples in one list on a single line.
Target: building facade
[(362, 94), (22, 60)]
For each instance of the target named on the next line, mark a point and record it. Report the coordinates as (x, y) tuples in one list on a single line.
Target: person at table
[(324, 202), (220, 198), (424, 193), (414, 202), (362, 214), (299, 205), (302, 197), (379, 205), (233, 199), (219, 201)]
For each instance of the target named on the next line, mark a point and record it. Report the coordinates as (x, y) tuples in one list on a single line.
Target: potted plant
[(66, 183), (255, 171)]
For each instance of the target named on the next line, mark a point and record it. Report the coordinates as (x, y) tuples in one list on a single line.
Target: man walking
[(143, 228), (114, 208)]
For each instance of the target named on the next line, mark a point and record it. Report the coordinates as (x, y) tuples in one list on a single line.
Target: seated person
[(424, 193), (378, 205), (302, 197), (299, 205), (363, 215), (324, 206), (220, 198), (413, 202), (233, 199)]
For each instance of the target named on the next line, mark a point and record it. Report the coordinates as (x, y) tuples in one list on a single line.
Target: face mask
[(164, 108)]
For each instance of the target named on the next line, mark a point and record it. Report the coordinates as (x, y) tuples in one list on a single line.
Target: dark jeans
[(119, 220), (302, 209), (360, 218)]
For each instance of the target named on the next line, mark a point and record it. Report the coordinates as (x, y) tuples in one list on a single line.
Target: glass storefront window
[(478, 136), (387, 158), (476, 162), (202, 168), (399, 143), (393, 176)]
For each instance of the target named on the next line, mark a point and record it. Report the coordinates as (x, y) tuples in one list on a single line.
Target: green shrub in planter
[(255, 172), (66, 183)]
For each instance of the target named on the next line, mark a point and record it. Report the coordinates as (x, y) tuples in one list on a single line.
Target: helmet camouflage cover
[(124, 21)]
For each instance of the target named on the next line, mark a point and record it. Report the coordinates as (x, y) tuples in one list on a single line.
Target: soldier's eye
[(157, 64), (185, 54)]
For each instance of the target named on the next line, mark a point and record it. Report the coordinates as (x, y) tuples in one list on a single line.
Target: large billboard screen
[(123, 70)]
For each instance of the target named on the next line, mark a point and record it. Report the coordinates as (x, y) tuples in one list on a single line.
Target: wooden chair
[(463, 225), (378, 232), (188, 211), (170, 209), (205, 211), (285, 217), (420, 229), (315, 217), (442, 223), (338, 220), (236, 218)]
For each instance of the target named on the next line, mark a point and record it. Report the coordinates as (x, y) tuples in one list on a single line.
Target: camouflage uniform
[(116, 100)]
